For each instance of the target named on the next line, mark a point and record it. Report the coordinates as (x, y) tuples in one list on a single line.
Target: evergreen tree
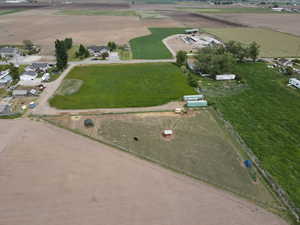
[(61, 55)]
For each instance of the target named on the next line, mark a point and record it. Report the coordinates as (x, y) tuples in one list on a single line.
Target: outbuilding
[(28, 75), (225, 77), (294, 82), (19, 93), (167, 133), (193, 97), (194, 104)]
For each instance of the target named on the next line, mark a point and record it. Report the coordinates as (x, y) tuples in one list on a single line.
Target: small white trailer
[(294, 82), (225, 77)]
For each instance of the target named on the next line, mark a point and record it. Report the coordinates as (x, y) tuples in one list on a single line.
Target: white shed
[(294, 82)]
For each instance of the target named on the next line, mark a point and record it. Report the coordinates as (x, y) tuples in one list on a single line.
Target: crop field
[(284, 22), (116, 86), (98, 12), (9, 11), (199, 146), (151, 46), (229, 10), (272, 43), (266, 115)]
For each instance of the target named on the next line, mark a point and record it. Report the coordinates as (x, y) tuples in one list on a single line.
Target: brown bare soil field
[(288, 23), (50, 176), (43, 27), (194, 20)]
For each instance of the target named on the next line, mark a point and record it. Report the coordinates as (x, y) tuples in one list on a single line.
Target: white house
[(97, 50), (28, 75), (294, 82), (278, 9), (225, 77), (9, 52), (5, 78), (46, 77)]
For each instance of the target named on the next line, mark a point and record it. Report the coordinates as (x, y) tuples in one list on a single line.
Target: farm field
[(286, 22), (94, 30), (199, 146), (266, 116), (273, 43), (66, 178), (132, 85), (97, 12), (151, 46), (229, 10)]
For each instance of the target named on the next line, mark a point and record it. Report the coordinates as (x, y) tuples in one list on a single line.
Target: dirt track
[(51, 176)]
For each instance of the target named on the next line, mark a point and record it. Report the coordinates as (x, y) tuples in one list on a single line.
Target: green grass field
[(9, 11), (115, 86), (273, 43), (199, 147), (229, 10), (98, 12), (266, 115), (151, 46)]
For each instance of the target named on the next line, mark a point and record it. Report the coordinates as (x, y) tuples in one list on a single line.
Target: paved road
[(44, 108)]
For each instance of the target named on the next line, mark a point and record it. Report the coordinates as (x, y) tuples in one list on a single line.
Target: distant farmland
[(273, 43), (151, 46)]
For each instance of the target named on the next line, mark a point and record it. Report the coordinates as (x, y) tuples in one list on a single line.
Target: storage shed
[(193, 97), (167, 133), (200, 103), (19, 93)]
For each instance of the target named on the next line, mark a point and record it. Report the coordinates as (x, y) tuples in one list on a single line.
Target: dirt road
[(50, 176)]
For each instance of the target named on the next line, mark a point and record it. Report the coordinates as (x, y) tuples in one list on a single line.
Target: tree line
[(61, 52)]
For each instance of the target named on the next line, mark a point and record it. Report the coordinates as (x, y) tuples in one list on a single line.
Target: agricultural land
[(134, 85), (151, 46), (273, 44), (265, 118)]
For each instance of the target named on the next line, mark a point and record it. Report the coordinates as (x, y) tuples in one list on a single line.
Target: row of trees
[(61, 52), (218, 59)]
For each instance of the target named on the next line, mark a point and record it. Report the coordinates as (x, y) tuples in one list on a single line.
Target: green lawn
[(229, 10), (9, 11), (98, 12), (273, 43), (115, 86), (151, 46), (266, 115)]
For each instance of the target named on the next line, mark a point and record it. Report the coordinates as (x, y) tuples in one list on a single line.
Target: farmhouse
[(28, 75), (5, 78), (294, 82), (9, 52), (97, 50), (40, 66), (225, 77)]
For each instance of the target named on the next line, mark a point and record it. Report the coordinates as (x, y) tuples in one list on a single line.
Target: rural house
[(5, 78), (40, 66), (9, 52), (97, 50), (28, 75)]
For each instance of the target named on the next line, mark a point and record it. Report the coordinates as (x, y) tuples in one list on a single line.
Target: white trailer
[(225, 77), (294, 82)]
